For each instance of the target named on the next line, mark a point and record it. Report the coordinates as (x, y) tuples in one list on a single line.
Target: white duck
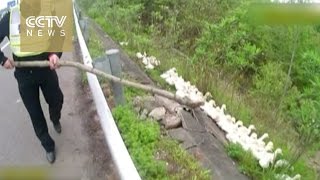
[(228, 116), (260, 141), (233, 137), (165, 76), (296, 177), (213, 113), (266, 159), (195, 98), (246, 131), (139, 55), (287, 177), (229, 127), (124, 43), (281, 163), (253, 143), (180, 84), (231, 119), (254, 136), (207, 96), (180, 94), (221, 120), (187, 84), (257, 146), (157, 63), (145, 61), (171, 79), (269, 146), (209, 110), (149, 66), (152, 59), (245, 141), (222, 109), (239, 123), (236, 136), (212, 103), (170, 73)]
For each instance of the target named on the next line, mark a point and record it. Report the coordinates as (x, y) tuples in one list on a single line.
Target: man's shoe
[(57, 127), (51, 156)]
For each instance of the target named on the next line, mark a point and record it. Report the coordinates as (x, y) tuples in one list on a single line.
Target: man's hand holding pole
[(53, 61), (8, 64)]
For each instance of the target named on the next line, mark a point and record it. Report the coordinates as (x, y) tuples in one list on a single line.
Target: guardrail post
[(102, 63), (84, 24), (116, 70), (79, 14)]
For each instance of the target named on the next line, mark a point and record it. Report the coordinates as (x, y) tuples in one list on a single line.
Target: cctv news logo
[(46, 25), (47, 22)]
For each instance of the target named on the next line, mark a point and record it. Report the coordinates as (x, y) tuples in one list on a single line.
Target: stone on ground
[(158, 113), (172, 121)]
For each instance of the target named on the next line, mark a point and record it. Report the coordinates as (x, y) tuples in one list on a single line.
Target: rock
[(158, 113), (146, 102), (171, 122), (170, 105), (137, 109), (137, 101), (150, 103), (144, 114), (183, 137), (191, 122)]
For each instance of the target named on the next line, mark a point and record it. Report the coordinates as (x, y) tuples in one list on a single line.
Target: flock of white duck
[(150, 62), (235, 131)]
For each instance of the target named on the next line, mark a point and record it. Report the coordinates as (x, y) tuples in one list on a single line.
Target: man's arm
[(4, 31)]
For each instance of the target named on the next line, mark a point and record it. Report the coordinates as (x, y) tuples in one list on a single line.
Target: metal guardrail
[(119, 152)]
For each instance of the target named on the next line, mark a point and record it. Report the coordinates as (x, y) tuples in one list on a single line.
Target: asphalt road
[(20, 148)]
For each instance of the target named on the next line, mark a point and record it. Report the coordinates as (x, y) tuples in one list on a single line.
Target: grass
[(248, 165), (185, 165), (140, 139), (95, 45)]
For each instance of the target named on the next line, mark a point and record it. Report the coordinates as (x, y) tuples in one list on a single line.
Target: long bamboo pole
[(62, 63)]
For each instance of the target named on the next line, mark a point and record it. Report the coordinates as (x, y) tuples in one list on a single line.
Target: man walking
[(30, 80)]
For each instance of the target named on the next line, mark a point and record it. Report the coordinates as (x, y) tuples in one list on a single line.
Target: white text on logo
[(43, 21)]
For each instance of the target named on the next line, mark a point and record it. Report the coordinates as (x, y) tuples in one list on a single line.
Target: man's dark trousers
[(30, 81)]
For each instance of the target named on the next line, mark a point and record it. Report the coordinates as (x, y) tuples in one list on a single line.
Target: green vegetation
[(266, 75), (150, 151), (248, 164), (95, 45), (183, 166), (140, 139)]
